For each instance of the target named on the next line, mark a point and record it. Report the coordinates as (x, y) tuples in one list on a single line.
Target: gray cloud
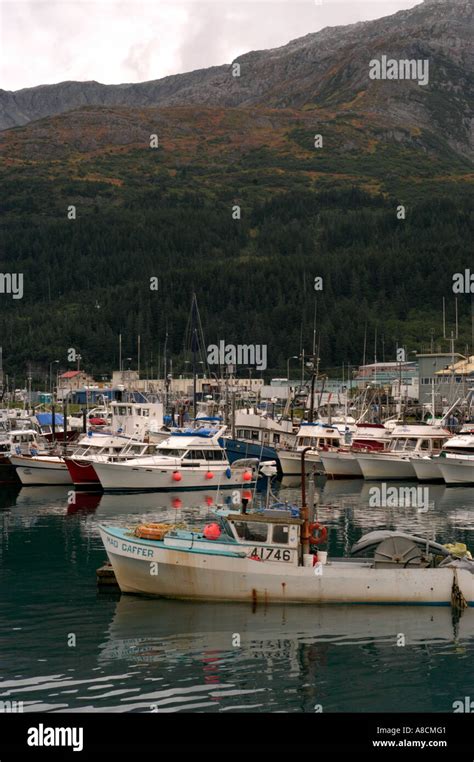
[(137, 40)]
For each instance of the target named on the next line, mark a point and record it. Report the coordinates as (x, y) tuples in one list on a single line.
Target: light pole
[(54, 362), (293, 357)]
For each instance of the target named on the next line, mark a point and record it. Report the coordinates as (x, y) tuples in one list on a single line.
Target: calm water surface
[(134, 654)]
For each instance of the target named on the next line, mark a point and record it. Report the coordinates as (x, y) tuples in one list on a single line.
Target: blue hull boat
[(239, 448)]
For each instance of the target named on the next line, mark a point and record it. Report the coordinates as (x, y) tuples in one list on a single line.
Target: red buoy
[(247, 476), (209, 475), (177, 476), (212, 531)]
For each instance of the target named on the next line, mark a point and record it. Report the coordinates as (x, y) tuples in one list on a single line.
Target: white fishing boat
[(342, 463), (189, 459), (101, 448), (17, 442), (41, 469), (261, 558), (456, 449), (406, 443), (457, 469), (426, 468), (317, 436)]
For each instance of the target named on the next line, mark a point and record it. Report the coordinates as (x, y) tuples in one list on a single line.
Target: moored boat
[(457, 469), (189, 459), (259, 558), (342, 463), (407, 442), (319, 438), (41, 469)]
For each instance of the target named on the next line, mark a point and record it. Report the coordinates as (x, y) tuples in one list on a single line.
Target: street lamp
[(293, 357), (51, 375)]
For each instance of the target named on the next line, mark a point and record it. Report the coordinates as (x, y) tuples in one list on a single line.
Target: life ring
[(320, 537), (152, 531)]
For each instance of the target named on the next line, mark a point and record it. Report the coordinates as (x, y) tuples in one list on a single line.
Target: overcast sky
[(116, 41)]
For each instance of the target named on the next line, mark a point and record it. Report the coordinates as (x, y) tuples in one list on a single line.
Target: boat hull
[(341, 465), (82, 474), (151, 568), (8, 474), (126, 478), (34, 470), (385, 467), (457, 470), (237, 449), (427, 470), (290, 462)]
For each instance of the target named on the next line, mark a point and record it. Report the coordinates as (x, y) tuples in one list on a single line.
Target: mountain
[(325, 70), (329, 209)]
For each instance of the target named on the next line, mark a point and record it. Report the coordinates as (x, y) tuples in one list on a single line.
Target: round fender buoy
[(177, 476), (209, 475), (212, 531), (247, 476), (228, 472)]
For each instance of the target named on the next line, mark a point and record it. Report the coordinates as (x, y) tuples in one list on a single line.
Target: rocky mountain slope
[(325, 70)]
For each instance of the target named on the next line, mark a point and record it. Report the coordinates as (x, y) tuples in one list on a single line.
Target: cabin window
[(122, 410), (214, 455), (254, 435), (411, 444), (280, 534), (194, 455), (399, 444), (425, 444), (276, 438), (251, 530), (145, 413), (170, 453)]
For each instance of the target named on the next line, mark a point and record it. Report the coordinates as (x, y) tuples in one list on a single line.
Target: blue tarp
[(46, 419)]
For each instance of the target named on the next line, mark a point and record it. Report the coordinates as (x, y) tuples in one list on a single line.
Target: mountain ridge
[(328, 68)]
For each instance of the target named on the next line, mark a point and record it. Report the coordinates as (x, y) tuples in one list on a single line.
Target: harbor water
[(67, 646)]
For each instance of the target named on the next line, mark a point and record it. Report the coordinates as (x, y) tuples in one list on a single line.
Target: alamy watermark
[(12, 283), (389, 68), (464, 705), (237, 354), (399, 497), (8, 707), (463, 283)]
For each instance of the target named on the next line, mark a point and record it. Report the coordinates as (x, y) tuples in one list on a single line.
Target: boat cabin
[(193, 448), (267, 536), (136, 418), (319, 436), (254, 427), (21, 442), (418, 439)]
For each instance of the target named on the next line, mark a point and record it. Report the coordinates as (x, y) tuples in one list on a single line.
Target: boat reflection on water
[(150, 630), (203, 501)]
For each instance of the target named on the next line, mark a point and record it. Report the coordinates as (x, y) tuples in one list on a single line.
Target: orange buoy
[(209, 475), (212, 531), (247, 476), (177, 476)]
